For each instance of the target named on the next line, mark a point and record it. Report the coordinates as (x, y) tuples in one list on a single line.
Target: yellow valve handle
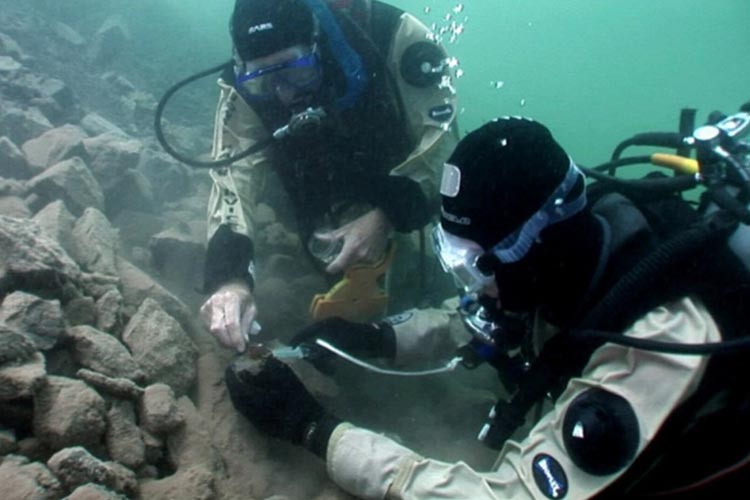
[(678, 163), (358, 296)]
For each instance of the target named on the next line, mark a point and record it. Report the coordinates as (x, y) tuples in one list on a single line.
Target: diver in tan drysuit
[(358, 96)]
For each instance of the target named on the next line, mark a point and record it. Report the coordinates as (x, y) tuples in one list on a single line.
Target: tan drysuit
[(236, 189), (370, 465)]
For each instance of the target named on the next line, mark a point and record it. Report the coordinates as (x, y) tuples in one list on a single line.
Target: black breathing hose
[(191, 161), (655, 139), (654, 186), (705, 349), (612, 165)]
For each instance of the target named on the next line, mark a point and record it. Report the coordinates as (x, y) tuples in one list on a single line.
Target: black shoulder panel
[(384, 22)]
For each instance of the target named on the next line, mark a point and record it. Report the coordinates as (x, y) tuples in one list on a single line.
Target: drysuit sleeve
[(234, 193), (431, 116), (370, 465), (428, 336)]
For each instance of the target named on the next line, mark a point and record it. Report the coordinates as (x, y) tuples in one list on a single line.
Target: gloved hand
[(271, 397), (229, 314), (365, 240), (364, 340), (501, 423)]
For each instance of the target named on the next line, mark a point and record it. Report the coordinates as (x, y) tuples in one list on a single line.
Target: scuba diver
[(620, 318), (350, 104)]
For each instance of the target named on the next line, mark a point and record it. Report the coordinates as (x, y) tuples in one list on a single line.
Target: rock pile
[(108, 388)]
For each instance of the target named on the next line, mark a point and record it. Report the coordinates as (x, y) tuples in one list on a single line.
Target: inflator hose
[(671, 140), (657, 186), (725, 346), (182, 158)]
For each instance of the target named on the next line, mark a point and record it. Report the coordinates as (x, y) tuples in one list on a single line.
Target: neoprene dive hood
[(349, 62)]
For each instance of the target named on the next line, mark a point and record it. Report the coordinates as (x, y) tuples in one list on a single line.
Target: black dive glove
[(365, 340), (271, 397), (502, 422)]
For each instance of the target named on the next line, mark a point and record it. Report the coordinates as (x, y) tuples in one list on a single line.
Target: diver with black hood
[(355, 104), (617, 324)]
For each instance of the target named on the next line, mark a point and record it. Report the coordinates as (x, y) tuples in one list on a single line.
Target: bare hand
[(229, 314), (365, 240)]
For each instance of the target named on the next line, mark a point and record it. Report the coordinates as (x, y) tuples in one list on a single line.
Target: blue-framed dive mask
[(303, 73)]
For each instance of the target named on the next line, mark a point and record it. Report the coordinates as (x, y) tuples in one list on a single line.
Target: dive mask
[(459, 256), (302, 73)]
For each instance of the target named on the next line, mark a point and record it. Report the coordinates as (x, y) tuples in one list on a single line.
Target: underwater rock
[(94, 492), (97, 285), (123, 437), (9, 47), (134, 191), (190, 445), (15, 347), (161, 347), (159, 413), (137, 226), (263, 216), (109, 41), (125, 480), (72, 182), (75, 467), (119, 387), (96, 243), (13, 164), (8, 443), (33, 449), (57, 222), (12, 187), (13, 206), (137, 286), (178, 256), (102, 353), (121, 84), (54, 146), (24, 480), (53, 98), (277, 239), (21, 378), (169, 178), (194, 483), (31, 260), (80, 311), (154, 444), (110, 156), (95, 124), (109, 312), (39, 320), (67, 34), (20, 125), (9, 65), (68, 413)]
